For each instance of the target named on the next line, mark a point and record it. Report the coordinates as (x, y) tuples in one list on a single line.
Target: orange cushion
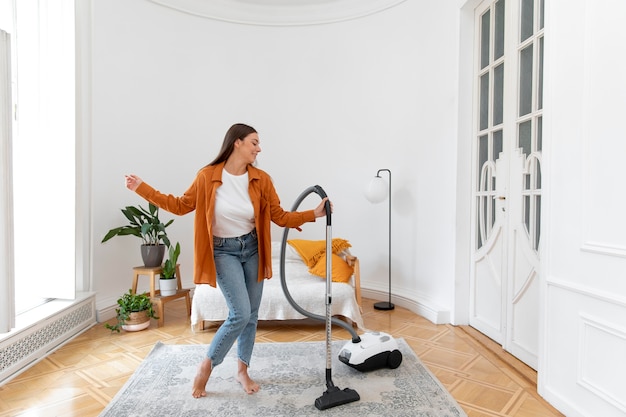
[(311, 250), (341, 270)]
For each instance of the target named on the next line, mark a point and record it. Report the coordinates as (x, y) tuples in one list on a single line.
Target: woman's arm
[(175, 205), (296, 218)]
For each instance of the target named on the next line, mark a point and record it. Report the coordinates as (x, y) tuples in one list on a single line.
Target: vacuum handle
[(320, 191)]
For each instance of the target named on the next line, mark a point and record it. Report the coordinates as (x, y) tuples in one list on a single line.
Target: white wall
[(584, 328), (333, 103)]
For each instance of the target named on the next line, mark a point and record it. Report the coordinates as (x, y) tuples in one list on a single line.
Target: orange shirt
[(200, 196)]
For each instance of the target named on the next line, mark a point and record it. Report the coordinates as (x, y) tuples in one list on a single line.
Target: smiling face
[(248, 148)]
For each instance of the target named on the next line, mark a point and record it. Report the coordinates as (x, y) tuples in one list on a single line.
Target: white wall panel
[(604, 128), (602, 365), (584, 359), (584, 302)]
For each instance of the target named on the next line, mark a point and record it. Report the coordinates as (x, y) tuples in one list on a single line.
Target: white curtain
[(7, 306), (45, 50)]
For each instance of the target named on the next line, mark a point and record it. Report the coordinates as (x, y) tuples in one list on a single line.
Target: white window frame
[(43, 153)]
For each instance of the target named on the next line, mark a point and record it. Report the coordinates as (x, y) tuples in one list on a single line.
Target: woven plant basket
[(137, 321)]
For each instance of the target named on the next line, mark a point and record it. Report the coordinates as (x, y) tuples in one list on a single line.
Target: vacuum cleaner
[(372, 350)]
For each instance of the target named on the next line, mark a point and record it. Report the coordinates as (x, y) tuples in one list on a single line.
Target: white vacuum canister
[(375, 350)]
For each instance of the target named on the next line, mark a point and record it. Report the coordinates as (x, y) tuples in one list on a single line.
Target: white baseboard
[(106, 313), (424, 308)]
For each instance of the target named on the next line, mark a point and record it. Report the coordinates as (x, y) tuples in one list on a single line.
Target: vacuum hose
[(319, 191)]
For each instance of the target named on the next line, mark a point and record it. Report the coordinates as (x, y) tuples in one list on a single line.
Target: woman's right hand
[(320, 210), (132, 181)]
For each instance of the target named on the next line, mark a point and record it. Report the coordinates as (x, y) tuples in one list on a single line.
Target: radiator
[(24, 348)]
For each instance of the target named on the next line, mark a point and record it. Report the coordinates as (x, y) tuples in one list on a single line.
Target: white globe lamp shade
[(376, 191)]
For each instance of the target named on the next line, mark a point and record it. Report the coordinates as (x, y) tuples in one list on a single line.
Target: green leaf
[(144, 224)]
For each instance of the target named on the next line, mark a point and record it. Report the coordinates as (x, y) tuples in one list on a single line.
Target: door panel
[(488, 283), (487, 301), (504, 285), (522, 335)]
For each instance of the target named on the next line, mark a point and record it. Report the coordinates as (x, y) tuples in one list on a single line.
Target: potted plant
[(146, 225), (167, 282), (134, 312)]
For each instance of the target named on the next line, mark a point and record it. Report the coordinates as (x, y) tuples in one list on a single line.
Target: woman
[(234, 203)]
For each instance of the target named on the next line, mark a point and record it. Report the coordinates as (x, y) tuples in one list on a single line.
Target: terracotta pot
[(137, 321)]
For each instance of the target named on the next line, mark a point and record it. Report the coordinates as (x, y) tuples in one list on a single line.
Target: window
[(491, 113), (530, 113), (513, 124), (43, 157)]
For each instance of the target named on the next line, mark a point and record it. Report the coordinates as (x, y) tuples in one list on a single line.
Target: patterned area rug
[(291, 375)]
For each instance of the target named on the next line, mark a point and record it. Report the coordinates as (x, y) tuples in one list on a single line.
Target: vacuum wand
[(319, 191), (329, 299), (333, 396)]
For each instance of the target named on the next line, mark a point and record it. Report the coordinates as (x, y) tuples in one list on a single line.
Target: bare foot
[(249, 386), (202, 377)]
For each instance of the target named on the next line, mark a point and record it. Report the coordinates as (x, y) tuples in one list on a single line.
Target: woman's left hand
[(132, 181), (320, 210)]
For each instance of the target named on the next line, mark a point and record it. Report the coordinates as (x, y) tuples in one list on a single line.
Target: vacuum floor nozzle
[(334, 396)]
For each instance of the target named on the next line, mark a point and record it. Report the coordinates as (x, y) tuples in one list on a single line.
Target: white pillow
[(290, 253)]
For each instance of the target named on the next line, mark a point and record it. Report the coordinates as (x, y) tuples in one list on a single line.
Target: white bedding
[(309, 292)]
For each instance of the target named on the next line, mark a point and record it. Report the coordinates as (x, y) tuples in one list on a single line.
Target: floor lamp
[(376, 193)]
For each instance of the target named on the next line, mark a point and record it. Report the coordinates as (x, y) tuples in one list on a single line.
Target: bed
[(305, 272)]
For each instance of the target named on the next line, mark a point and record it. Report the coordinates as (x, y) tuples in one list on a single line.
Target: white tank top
[(234, 213)]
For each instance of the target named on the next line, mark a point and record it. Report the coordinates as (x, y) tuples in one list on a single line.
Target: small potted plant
[(146, 225), (167, 282), (134, 312)]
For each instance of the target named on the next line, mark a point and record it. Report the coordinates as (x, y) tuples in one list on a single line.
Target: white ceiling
[(280, 12)]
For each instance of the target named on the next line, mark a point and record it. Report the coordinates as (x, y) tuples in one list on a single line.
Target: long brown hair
[(236, 131)]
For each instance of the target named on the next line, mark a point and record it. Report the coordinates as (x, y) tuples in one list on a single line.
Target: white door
[(506, 231)]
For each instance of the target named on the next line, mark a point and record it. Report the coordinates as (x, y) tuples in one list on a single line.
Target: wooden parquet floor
[(81, 377)]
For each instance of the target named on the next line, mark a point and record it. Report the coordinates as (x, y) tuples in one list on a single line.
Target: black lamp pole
[(387, 305)]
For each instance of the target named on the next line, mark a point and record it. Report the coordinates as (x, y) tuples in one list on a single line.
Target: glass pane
[(527, 212), (524, 137), (483, 201), (539, 133), (493, 212), (537, 220), (484, 39), (526, 23), (538, 177), (541, 13), (498, 48), (483, 155), (479, 240), (540, 76), (526, 80), (497, 144), (498, 94), (484, 101)]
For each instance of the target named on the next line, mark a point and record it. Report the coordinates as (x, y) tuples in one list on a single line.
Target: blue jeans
[(237, 264)]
